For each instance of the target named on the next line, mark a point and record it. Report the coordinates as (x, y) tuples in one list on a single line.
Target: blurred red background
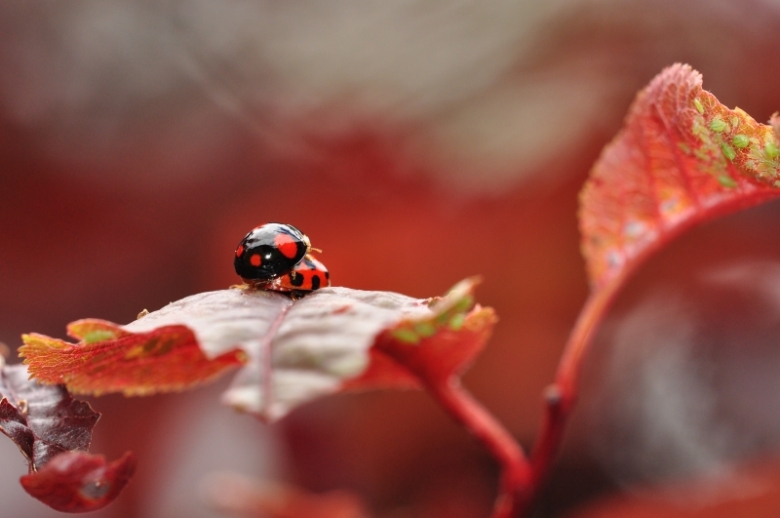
[(416, 143)]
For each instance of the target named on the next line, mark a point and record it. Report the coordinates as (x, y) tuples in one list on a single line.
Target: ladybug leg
[(249, 285)]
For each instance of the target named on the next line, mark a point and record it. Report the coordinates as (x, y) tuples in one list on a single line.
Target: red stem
[(516, 474), (521, 479), (561, 396)]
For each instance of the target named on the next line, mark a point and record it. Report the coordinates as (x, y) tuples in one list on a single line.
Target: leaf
[(53, 431), (42, 420), (294, 351), (77, 482), (431, 347), (108, 358), (317, 343), (681, 159), (339, 339)]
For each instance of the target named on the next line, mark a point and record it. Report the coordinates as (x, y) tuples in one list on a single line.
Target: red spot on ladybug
[(255, 260), (286, 245), (239, 250)]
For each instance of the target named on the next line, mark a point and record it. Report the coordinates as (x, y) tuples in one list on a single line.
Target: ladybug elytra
[(269, 251), (308, 275), (275, 257)]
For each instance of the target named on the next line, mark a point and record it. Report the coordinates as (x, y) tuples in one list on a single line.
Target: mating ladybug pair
[(276, 257)]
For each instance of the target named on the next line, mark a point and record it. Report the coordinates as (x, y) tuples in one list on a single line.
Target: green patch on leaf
[(728, 147), (464, 304), (771, 150), (718, 125), (727, 181), (425, 329), (98, 335), (406, 336), (456, 322), (728, 151), (740, 141)]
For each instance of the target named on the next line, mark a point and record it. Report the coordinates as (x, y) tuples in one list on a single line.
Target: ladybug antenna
[(309, 248)]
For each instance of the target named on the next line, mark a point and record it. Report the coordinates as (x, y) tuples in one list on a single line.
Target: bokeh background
[(416, 142)]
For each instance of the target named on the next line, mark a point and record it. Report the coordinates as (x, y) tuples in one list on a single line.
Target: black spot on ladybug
[(327, 275), (296, 279), (315, 282)]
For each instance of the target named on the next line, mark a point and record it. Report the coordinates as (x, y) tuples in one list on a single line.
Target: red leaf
[(331, 341), (53, 431), (432, 347), (108, 358), (296, 350), (77, 482), (42, 420), (682, 158), (314, 346)]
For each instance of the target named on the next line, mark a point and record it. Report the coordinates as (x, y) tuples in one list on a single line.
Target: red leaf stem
[(561, 396), (516, 473), (435, 350)]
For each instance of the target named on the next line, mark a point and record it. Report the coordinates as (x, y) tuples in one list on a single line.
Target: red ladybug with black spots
[(270, 251), (307, 276)]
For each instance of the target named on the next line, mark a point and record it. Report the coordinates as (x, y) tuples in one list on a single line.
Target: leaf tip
[(78, 482)]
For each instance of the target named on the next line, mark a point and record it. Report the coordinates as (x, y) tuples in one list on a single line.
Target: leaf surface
[(294, 350), (53, 431), (682, 158)]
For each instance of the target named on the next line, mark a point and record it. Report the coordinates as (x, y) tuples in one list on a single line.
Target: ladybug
[(307, 276), (269, 251)]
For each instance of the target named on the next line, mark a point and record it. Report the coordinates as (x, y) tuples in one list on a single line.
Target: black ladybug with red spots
[(276, 257), (269, 251)]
